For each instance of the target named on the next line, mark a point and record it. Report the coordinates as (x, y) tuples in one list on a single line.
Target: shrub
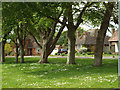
[(83, 53), (77, 54), (108, 52), (82, 50), (63, 54), (12, 54), (56, 53), (88, 53), (92, 53)]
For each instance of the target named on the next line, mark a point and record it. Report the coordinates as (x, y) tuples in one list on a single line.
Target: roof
[(114, 37), (90, 39)]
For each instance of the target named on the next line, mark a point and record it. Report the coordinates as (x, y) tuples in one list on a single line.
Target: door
[(30, 51)]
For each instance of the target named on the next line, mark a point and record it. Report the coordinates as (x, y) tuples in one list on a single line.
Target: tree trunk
[(3, 51), (16, 55), (71, 47), (45, 53), (71, 36), (99, 48), (101, 35), (22, 53)]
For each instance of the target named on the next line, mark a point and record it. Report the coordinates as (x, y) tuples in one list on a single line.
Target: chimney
[(113, 30), (78, 34)]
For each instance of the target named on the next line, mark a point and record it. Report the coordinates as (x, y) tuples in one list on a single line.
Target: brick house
[(88, 40), (31, 48)]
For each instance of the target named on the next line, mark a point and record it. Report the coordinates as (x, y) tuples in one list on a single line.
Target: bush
[(77, 54), (63, 54), (56, 53), (88, 53), (83, 53), (108, 52), (92, 53), (12, 54), (82, 50)]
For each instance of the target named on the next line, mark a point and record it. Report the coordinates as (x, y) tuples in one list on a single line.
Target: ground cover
[(57, 74)]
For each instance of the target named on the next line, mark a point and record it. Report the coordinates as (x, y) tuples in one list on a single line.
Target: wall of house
[(106, 49), (91, 47), (116, 47)]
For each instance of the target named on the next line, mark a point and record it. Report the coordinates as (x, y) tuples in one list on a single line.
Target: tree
[(72, 29), (102, 34), (8, 48), (45, 29), (14, 39), (5, 33), (69, 10), (14, 17)]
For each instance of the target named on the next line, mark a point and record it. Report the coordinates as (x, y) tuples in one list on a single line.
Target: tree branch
[(34, 39), (80, 15), (58, 35)]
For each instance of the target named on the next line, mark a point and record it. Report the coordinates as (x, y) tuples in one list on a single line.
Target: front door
[(30, 51)]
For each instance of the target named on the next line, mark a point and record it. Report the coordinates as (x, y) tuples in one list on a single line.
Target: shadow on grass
[(57, 67)]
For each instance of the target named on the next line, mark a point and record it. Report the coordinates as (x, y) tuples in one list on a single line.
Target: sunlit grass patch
[(57, 74)]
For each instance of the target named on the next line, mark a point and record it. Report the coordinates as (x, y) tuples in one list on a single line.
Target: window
[(83, 36), (38, 50)]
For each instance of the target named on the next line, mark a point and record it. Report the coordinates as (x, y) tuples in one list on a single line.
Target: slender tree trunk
[(71, 48), (16, 55), (101, 35), (22, 53), (45, 53), (44, 56), (3, 51)]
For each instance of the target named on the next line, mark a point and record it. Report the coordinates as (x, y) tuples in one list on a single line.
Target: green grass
[(57, 74), (105, 55)]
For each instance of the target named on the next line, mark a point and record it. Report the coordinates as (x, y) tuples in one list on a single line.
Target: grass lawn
[(59, 75)]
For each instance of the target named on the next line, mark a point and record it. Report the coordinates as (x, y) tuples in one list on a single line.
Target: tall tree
[(15, 15), (73, 10), (102, 34), (72, 27), (46, 38)]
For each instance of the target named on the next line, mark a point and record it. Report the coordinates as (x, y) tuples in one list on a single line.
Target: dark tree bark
[(16, 48), (3, 51), (21, 37), (102, 34), (71, 37), (22, 53), (72, 29), (16, 55)]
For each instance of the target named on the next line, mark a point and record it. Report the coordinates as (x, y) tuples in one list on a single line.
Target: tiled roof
[(114, 36), (90, 39)]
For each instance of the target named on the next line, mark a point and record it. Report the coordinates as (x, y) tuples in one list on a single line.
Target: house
[(31, 47), (113, 41), (88, 40)]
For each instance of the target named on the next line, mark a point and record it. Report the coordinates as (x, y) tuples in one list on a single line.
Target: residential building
[(113, 41), (88, 40)]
